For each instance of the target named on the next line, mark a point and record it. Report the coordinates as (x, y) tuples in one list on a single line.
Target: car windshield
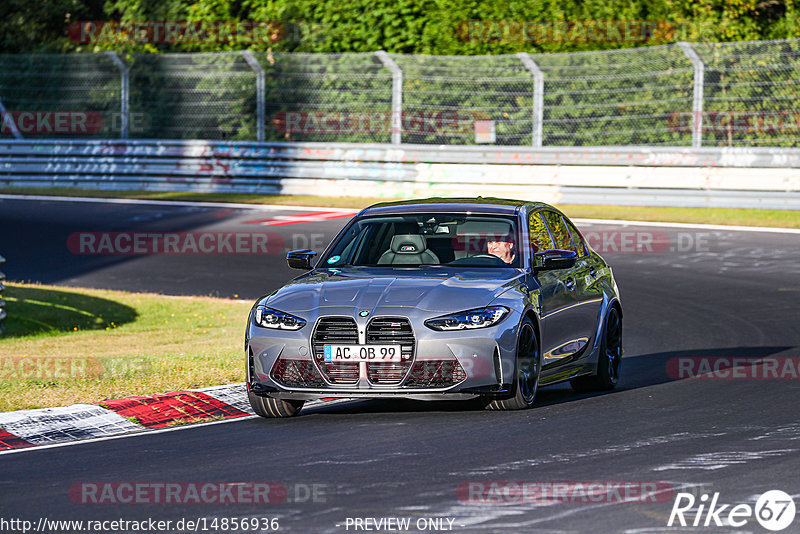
[(465, 240)]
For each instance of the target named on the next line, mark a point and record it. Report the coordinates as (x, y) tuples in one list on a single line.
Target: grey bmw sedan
[(485, 299)]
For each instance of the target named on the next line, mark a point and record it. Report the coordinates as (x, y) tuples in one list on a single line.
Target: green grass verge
[(740, 217), (71, 345), (726, 216)]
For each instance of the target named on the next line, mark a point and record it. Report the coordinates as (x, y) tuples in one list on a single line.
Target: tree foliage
[(400, 26)]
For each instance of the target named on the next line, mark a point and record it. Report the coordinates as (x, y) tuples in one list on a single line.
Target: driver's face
[(502, 248)]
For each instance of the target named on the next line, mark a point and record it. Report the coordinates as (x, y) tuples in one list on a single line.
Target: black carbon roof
[(484, 204)]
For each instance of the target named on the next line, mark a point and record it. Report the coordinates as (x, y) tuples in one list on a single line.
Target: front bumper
[(444, 365)]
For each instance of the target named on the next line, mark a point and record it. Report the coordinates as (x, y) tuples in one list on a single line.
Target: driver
[(502, 247)]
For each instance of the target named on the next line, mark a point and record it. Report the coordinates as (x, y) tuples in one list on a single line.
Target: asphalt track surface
[(708, 294)]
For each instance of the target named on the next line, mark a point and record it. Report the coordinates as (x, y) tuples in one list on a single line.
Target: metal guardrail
[(2, 302), (732, 177), (376, 152)]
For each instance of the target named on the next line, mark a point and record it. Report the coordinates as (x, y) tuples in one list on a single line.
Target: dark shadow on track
[(75, 244), (651, 369), (638, 372), (46, 248)]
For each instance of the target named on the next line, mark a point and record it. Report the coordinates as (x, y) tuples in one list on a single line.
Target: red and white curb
[(49, 426), (314, 216)]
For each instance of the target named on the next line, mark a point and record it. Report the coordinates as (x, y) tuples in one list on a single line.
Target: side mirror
[(300, 259), (552, 259)]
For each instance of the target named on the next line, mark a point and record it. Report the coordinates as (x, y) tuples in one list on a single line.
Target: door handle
[(570, 283)]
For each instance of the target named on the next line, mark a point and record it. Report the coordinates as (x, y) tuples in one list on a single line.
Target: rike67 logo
[(774, 510)]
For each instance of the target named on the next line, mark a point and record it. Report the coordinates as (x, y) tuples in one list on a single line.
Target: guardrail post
[(397, 95), (538, 96), (697, 100), (2, 302), (11, 124), (261, 92), (125, 79)]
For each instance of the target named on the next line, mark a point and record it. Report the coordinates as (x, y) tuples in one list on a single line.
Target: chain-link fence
[(324, 97), (82, 88), (720, 94), (192, 96)]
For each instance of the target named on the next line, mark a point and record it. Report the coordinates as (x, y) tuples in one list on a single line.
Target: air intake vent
[(436, 374), (296, 373), (391, 331), (332, 330)]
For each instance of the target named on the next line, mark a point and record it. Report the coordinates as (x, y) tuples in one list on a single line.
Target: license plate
[(362, 353)]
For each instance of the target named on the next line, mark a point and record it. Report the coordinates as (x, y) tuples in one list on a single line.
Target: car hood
[(434, 289)]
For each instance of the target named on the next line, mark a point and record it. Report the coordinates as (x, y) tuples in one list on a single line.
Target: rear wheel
[(609, 361), (526, 374), (268, 407)]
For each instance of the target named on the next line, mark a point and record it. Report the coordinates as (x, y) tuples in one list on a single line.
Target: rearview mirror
[(300, 259), (552, 259)]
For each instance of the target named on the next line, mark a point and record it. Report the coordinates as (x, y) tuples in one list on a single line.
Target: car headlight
[(269, 318), (470, 319)]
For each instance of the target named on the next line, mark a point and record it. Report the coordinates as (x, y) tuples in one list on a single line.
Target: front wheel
[(269, 408), (526, 379), (609, 361)]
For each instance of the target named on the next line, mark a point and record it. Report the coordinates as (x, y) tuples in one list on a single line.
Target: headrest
[(408, 244)]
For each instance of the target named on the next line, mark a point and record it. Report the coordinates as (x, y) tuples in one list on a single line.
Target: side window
[(540, 238), (577, 238), (559, 231), (342, 252), (372, 244)]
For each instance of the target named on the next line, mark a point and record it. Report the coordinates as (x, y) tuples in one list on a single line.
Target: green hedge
[(400, 26)]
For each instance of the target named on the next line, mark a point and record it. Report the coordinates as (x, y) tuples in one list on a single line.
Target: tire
[(609, 361), (526, 372), (269, 408)]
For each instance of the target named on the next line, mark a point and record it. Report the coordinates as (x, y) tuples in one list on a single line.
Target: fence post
[(261, 90), (125, 78), (697, 100), (538, 96), (11, 124), (397, 95)]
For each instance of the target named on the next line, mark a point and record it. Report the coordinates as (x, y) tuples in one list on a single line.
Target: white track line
[(731, 228), (274, 207), (143, 432), (149, 431)]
